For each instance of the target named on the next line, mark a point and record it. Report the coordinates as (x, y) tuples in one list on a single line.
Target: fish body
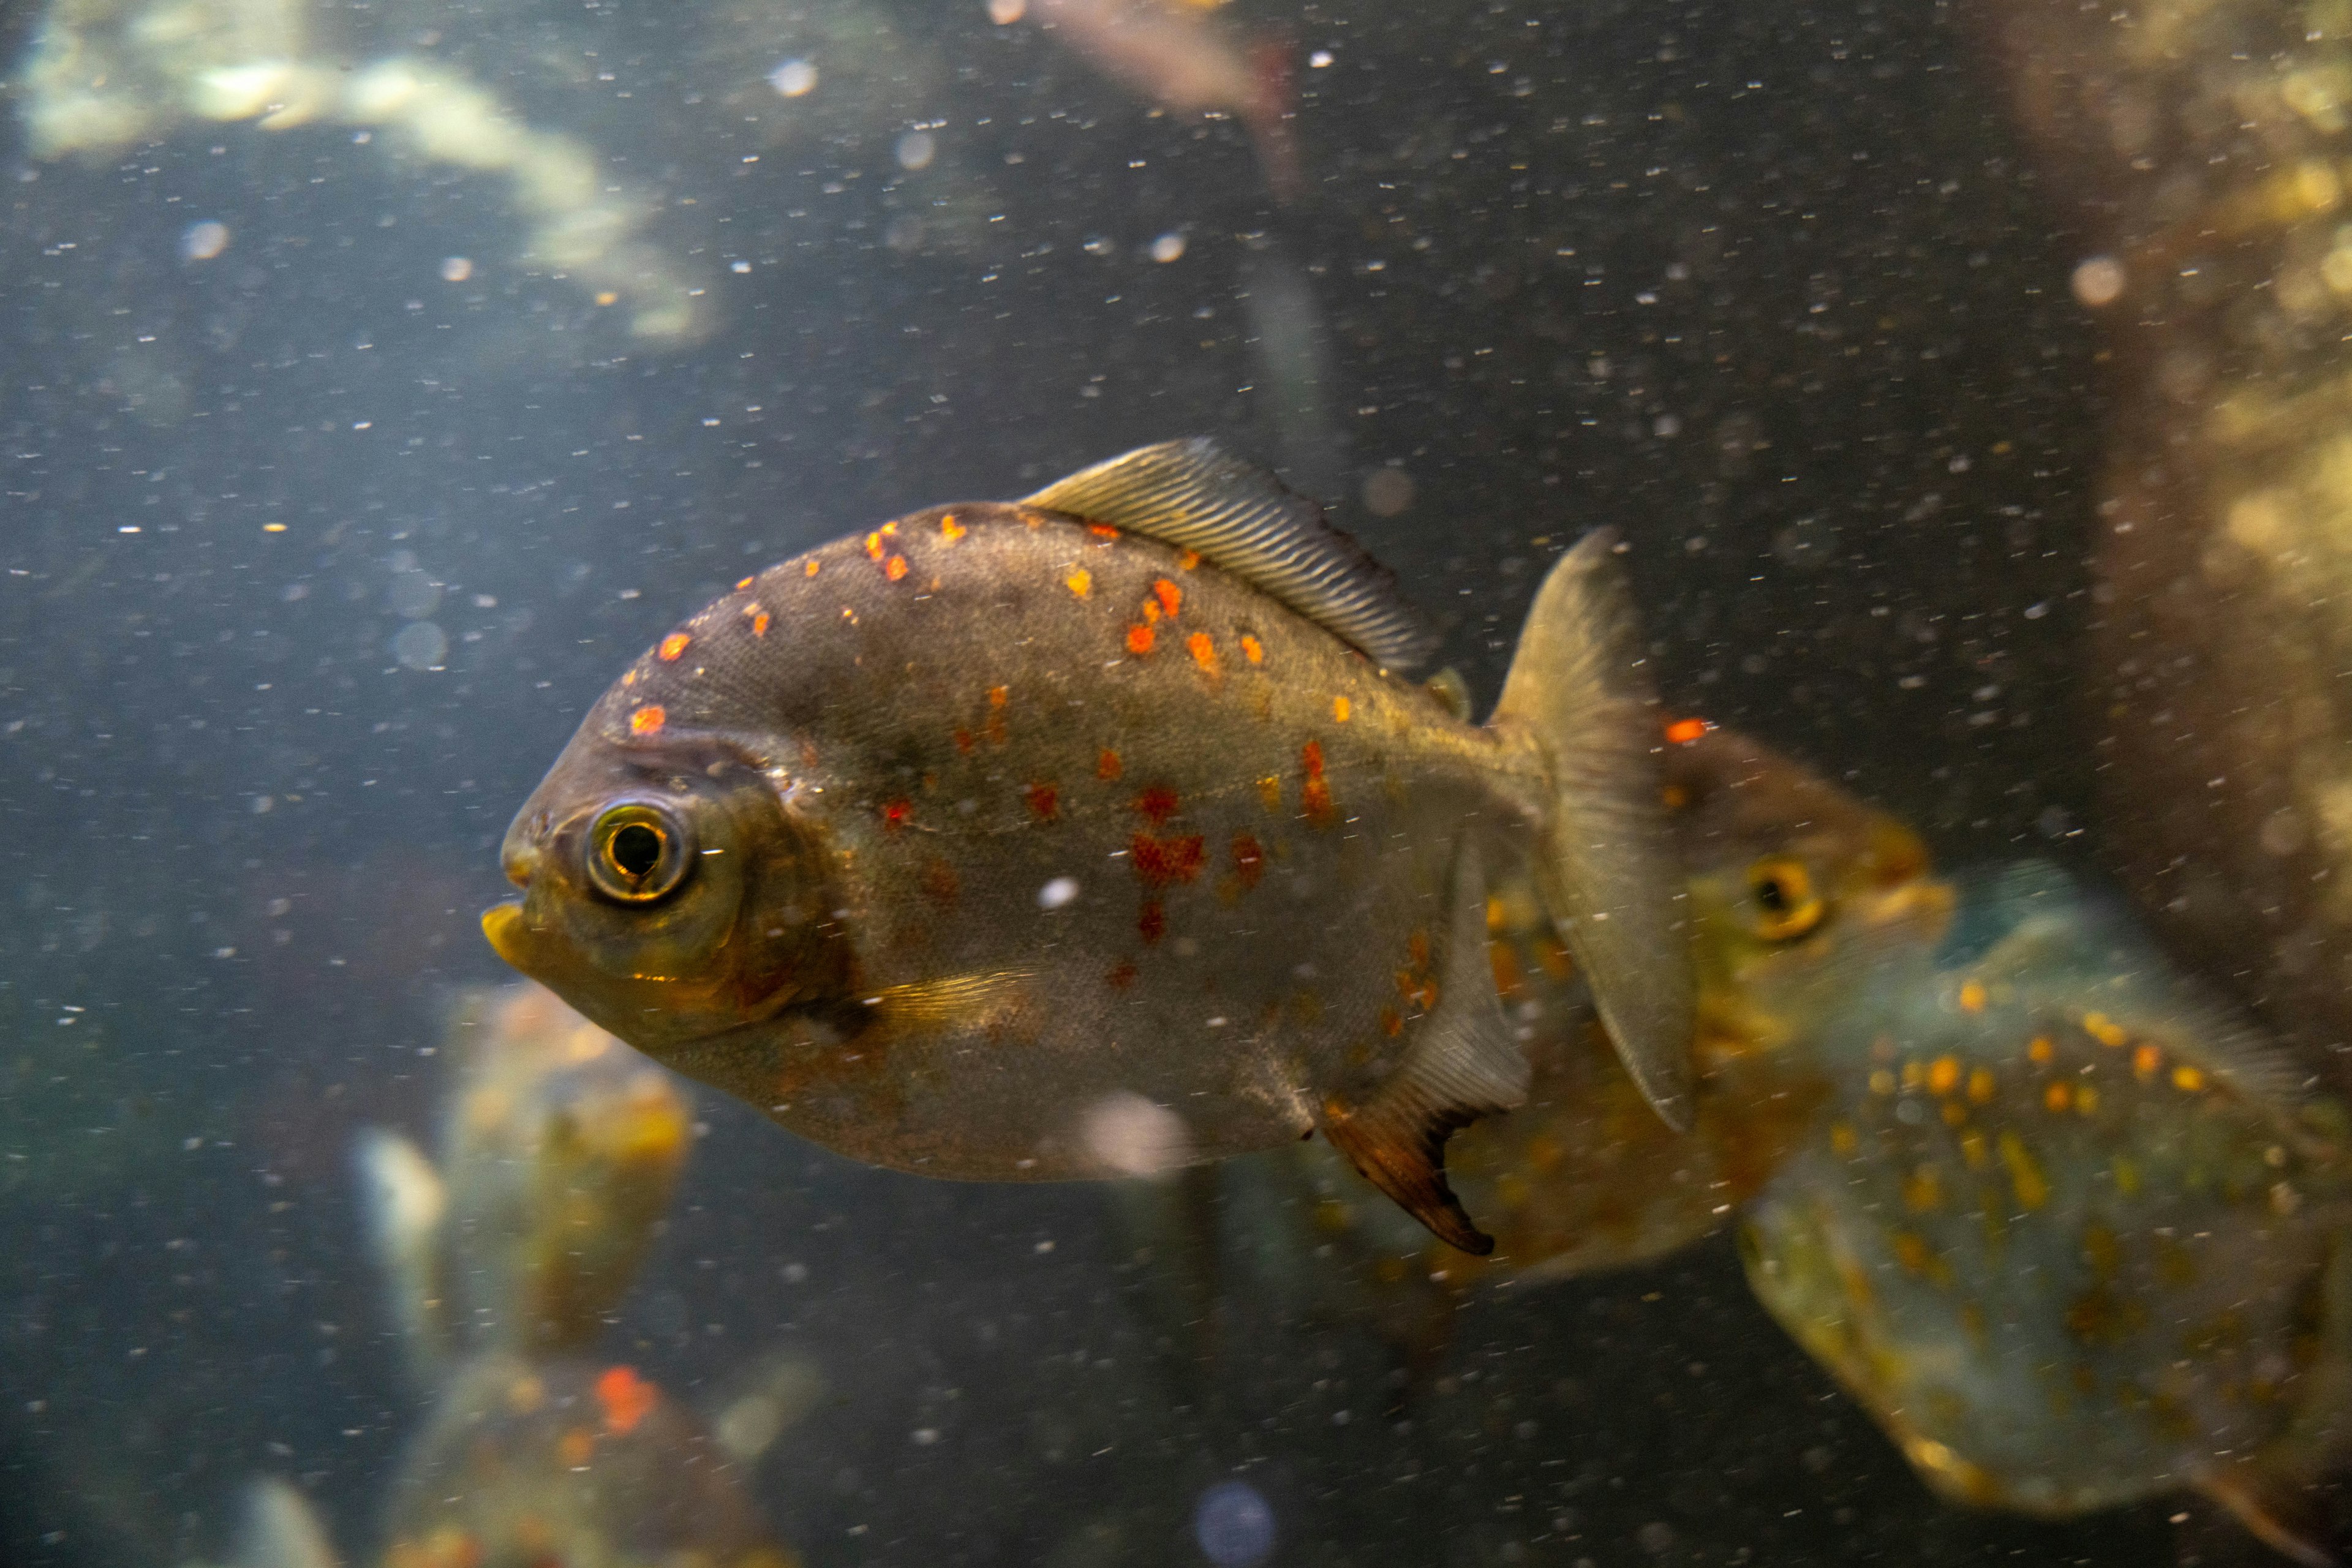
[(1007, 842)]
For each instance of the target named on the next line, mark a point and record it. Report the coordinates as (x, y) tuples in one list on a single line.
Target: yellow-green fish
[(1093, 835)]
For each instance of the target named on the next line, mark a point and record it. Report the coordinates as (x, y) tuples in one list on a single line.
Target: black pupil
[(636, 850), (1772, 896)]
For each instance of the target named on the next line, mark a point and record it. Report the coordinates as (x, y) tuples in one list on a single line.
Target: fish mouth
[(503, 925)]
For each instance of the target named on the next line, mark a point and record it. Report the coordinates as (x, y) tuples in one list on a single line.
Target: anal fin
[(1464, 1064)]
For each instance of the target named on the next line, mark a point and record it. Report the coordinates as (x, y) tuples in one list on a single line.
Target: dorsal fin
[(1195, 495)]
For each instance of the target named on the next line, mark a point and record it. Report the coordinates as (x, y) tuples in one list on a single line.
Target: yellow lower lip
[(502, 924)]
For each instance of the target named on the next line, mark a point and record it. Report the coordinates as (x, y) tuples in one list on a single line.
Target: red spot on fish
[(1139, 640), (1108, 766), (757, 615), (1157, 803), (1683, 732), (940, 884), (997, 698), (1187, 560), (626, 1398), (1314, 793), (1102, 531), (745, 584), (951, 530), (1159, 861), (1249, 859), (895, 812), (1391, 1024), (963, 741), (1122, 978), (672, 645), (1204, 651), (1170, 598), (895, 568), (647, 720), (1417, 947), (874, 546), (1044, 802), (1152, 923)]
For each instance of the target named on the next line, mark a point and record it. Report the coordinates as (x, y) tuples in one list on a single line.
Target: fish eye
[(637, 853), (1784, 895)]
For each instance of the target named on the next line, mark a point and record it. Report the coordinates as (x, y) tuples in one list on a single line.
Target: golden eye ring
[(1786, 902), (639, 852)]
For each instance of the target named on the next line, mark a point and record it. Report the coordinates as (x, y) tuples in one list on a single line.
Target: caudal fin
[(1580, 683)]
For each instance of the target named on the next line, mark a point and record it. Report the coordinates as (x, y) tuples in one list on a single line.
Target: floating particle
[(793, 78), (1320, 59), (1169, 247), (421, 645), (1234, 1525), (202, 241), (1057, 893), (732, 267), (2098, 281), (1388, 491), (1004, 13), (916, 149), (457, 269)]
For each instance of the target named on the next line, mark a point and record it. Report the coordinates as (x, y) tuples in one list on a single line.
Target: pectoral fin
[(1464, 1064)]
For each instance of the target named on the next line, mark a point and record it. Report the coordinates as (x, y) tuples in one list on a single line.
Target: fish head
[(670, 893), (1785, 869)]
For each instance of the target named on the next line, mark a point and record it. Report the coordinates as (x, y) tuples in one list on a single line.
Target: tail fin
[(1607, 867), (403, 1202), (281, 1530)]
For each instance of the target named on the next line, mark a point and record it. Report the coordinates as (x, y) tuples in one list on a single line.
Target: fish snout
[(503, 925)]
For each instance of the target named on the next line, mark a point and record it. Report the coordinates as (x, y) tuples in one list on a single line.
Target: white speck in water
[(1058, 892), (737, 267), (202, 241), (420, 645), (2098, 281), (916, 149), (1319, 60), (793, 78), (1169, 247), (457, 269), (1099, 244)]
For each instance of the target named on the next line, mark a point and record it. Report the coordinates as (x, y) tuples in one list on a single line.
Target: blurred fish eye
[(638, 853), (1783, 891)]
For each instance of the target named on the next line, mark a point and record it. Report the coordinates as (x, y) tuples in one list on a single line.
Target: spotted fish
[(1093, 834)]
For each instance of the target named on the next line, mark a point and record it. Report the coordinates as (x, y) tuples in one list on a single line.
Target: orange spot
[(1170, 598), (1391, 1022), (576, 1447), (745, 584), (673, 645), (1139, 640), (1152, 923), (1416, 947), (1151, 615), (2104, 1029), (760, 624), (1044, 802), (963, 741), (1102, 531), (997, 695), (895, 568), (1683, 732), (2145, 1060), (2187, 1079), (1269, 792), (1122, 978), (1972, 1000), (1187, 560), (2058, 1096), (626, 1399), (1249, 859), (1981, 1085), (951, 530), (1339, 710), (1204, 651), (1314, 793), (895, 812), (811, 569), (1251, 649), (1080, 581), (874, 546), (647, 720), (889, 531), (1159, 861), (630, 679), (1108, 766), (1943, 1074), (1157, 803), (2041, 1050)]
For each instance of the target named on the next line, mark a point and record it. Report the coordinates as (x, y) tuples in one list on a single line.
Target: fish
[(1096, 834), (560, 1150)]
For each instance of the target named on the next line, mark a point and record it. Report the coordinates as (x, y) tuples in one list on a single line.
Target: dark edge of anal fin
[(2274, 1511), (1464, 1064), (1580, 683), (1236, 516)]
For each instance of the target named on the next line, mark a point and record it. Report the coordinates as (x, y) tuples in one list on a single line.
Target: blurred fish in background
[(2069, 1229)]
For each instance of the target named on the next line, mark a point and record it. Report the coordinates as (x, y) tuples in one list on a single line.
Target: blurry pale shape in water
[(456, 269), (2098, 280), (784, 1390), (1388, 491), (1234, 1525), (1054, 894), (916, 149), (1135, 1137), (413, 595), (1004, 13), (1169, 247), (204, 240), (421, 645), (793, 78)]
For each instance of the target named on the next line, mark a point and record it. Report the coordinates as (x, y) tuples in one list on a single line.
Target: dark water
[(1772, 289)]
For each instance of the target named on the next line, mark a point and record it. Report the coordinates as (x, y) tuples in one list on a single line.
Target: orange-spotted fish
[(1093, 834), (2073, 1232)]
